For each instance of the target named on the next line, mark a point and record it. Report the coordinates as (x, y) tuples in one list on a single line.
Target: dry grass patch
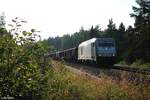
[(80, 86)]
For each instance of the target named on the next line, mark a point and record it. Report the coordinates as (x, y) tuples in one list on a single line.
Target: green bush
[(24, 70)]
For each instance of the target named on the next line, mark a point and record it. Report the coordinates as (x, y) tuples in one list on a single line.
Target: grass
[(140, 63), (137, 63), (67, 85)]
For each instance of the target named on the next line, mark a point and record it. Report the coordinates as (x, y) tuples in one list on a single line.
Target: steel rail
[(144, 70)]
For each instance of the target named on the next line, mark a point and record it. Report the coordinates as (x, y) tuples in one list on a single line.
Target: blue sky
[(58, 17)]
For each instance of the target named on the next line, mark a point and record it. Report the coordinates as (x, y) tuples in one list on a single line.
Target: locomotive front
[(105, 50)]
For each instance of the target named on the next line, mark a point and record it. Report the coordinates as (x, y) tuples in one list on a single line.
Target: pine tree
[(94, 32), (142, 28), (111, 29), (121, 39)]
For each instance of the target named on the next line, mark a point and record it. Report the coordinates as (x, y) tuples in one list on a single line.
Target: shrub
[(24, 70)]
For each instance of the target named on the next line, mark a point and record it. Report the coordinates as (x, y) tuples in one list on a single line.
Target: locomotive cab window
[(93, 44)]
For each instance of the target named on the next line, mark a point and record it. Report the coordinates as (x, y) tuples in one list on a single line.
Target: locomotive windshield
[(106, 48), (106, 44)]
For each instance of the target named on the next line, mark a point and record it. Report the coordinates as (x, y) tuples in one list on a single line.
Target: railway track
[(117, 72), (144, 70)]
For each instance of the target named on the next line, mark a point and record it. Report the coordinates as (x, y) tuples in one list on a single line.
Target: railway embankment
[(81, 83)]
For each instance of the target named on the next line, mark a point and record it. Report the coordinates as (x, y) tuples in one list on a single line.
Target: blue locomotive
[(99, 50)]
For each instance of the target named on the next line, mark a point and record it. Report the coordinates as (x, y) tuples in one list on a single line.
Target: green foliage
[(24, 70), (94, 32), (111, 30), (141, 32), (111, 27)]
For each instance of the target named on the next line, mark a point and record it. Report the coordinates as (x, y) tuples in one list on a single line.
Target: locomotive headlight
[(100, 55), (113, 54)]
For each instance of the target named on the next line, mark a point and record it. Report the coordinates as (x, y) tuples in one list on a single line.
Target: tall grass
[(67, 85)]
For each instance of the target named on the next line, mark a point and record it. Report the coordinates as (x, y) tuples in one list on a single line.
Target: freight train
[(95, 50)]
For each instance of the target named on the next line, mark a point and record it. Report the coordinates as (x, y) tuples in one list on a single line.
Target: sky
[(59, 17)]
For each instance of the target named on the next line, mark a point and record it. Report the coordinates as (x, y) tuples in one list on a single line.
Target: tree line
[(132, 42)]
